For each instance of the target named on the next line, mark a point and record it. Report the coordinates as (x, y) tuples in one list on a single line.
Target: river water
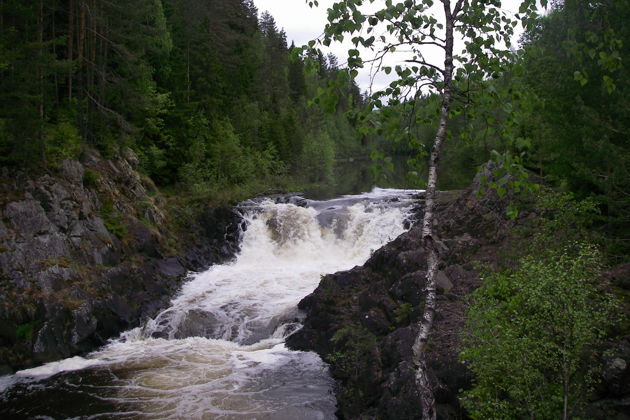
[(218, 351)]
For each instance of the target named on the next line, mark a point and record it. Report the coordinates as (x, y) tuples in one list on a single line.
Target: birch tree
[(471, 39)]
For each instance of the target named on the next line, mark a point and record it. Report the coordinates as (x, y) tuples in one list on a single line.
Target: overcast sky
[(301, 24)]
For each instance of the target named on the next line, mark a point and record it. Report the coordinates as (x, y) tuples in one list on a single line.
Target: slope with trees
[(204, 92)]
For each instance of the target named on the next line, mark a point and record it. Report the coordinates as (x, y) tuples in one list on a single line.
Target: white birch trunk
[(425, 325)]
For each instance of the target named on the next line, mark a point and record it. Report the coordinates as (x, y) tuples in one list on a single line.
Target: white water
[(218, 350)]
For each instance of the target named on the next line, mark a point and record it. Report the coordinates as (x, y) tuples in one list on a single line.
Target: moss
[(25, 331), (403, 313)]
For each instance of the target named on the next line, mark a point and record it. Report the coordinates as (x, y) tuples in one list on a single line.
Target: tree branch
[(424, 63)]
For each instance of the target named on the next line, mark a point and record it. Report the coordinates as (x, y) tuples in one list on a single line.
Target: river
[(218, 351)]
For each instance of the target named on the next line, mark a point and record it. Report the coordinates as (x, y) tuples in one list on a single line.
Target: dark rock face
[(81, 263), (612, 397), (364, 321)]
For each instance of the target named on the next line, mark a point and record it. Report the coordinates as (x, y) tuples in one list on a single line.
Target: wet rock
[(130, 157), (198, 323), (80, 264), (54, 278), (171, 267), (400, 397), (84, 324), (51, 342), (383, 302), (408, 288), (143, 240), (616, 374)]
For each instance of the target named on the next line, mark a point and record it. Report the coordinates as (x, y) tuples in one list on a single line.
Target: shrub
[(62, 142), (533, 334), (90, 177), (113, 220)]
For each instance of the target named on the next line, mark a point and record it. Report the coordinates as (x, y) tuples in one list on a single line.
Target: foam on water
[(46, 371), (218, 350)]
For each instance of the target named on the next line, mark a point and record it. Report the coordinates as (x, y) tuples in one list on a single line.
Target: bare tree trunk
[(54, 49), (40, 75), (92, 46), (426, 324), (81, 80), (70, 44), (188, 72), (81, 32), (104, 55)]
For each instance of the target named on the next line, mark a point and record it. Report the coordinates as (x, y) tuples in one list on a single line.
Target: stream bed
[(218, 351)]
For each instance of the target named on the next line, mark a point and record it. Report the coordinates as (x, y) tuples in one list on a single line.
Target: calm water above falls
[(218, 351)]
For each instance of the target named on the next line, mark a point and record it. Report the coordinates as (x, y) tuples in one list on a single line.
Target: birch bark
[(433, 259), (486, 30)]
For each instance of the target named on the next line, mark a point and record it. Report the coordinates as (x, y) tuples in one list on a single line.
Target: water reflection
[(359, 175)]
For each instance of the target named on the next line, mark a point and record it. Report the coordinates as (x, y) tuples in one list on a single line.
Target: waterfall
[(217, 351)]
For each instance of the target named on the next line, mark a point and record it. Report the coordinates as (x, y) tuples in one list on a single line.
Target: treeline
[(203, 91), (562, 111)]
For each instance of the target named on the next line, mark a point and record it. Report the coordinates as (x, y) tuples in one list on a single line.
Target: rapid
[(218, 351)]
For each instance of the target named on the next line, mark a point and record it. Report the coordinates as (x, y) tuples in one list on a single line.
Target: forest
[(206, 93), (203, 91)]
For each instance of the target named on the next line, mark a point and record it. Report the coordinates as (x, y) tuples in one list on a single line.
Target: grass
[(113, 220), (90, 178)]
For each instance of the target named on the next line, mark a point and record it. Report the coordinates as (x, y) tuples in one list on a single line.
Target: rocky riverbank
[(91, 250), (363, 322)]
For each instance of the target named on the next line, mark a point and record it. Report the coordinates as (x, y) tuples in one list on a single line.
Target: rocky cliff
[(90, 250), (363, 322)]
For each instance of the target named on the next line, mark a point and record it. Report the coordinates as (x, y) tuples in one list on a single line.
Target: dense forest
[(203, 91), (208, 97), (562, 110), (559, 110)]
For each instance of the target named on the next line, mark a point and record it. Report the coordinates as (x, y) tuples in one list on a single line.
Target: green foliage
[(221, 159), (114, 222), (533, 331), (25, 331), (403, 113), (564, 216), (532, 335), (203, 92), (354, 344), (62, 142), (318, 157), (403, 313), (90, 178)]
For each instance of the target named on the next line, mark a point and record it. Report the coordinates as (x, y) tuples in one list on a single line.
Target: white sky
[(301, 24)]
